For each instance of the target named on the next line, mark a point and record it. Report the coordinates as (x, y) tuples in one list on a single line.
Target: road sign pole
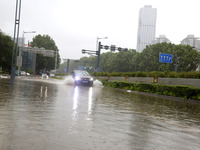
[(175, 69)]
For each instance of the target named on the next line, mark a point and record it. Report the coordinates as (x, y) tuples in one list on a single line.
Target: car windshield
[(81, 73)]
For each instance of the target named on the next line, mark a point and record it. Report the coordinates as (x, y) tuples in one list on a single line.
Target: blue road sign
[(165, 58), (80, 67)]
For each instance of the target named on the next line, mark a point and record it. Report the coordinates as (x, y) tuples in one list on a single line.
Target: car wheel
[(91, 84)]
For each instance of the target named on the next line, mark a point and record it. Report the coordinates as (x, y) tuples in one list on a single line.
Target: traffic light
[(106, 47), (83, 51), (112, 48), (126, 49), (119, 49)]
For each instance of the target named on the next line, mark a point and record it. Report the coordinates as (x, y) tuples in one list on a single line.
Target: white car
[(22, 73), (5, 76)]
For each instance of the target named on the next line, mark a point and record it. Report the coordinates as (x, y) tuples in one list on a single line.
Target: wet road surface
[(55, 115)]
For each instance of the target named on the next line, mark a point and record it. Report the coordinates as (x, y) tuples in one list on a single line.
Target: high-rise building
[(192, 41), (146, 27), (161, 39)]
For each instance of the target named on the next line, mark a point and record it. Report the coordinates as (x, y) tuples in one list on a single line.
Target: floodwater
[(38, 114)]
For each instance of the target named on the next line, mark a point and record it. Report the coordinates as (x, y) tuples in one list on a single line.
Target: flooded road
[(55, 115)]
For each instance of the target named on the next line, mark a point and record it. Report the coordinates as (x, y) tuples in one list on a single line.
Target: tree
[(118, 62), (45, 63), (184, 56), (6, 45)]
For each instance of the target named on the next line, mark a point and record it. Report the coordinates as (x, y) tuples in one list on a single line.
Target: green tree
[(118, 62), (6, 45), (45, 63), (184, 56)]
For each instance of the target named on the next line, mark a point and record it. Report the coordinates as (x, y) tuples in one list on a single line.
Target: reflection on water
[(49, 116), (43, 90), (75, 99), (90, 101), (73, 127)]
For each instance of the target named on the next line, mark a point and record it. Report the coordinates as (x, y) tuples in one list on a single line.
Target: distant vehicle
[(45, 76), (52, 75), (22, 73), (28, 74), (82, 77), (4, 76)]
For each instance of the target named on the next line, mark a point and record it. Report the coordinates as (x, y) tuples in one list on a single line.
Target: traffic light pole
[(98, 53), (67, 65)]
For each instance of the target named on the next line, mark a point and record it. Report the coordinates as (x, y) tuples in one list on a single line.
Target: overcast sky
[(75, 24)]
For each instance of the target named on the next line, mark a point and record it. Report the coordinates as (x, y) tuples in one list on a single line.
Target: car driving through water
[(82, 77)]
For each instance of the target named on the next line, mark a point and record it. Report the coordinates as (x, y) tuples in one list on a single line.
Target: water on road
[(55, 115)]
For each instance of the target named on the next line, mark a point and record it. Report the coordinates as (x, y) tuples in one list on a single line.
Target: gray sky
[(75, 24)]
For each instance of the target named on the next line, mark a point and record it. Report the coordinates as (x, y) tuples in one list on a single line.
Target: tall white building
[(146, 27)]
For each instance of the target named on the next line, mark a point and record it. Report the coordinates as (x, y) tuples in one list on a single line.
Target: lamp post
[(23, 47), (98, 38), (14, 50)]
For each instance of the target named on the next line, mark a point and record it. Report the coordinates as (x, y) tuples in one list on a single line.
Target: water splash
[(69, 80), (97, 83)]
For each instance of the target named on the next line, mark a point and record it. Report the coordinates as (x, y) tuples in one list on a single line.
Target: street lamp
[(98, 38), (17, 22), (23, 37), (23, 46)]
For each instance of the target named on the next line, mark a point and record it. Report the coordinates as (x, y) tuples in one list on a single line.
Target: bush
[(151, 74), (178, 91)]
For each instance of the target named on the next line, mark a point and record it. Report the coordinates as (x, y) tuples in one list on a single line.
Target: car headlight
[(91, 79), (77, 78)]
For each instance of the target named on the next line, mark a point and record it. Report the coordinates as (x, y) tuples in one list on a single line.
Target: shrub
[(178, 91), (151, 74)]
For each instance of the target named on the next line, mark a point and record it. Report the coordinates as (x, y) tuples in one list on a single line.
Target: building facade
[(161, 39), (192, 41), (146, 27), (28, 58)]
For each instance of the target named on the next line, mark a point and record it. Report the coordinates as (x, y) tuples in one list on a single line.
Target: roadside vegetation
[(185, 59), (43, 63), (6, 45), (150, 74), (177, 91)]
